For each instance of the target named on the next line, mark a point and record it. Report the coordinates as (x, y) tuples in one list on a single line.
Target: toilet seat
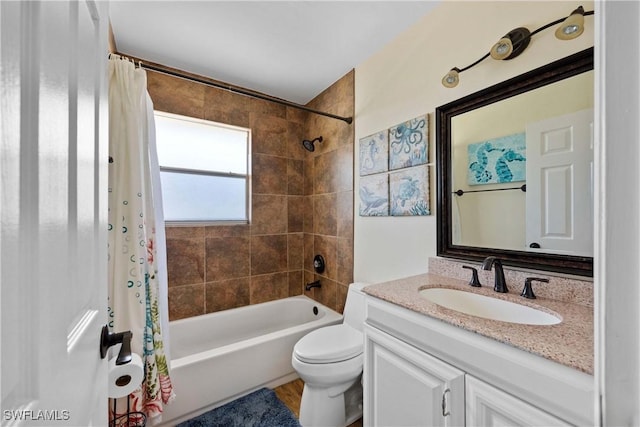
[(329, 345)]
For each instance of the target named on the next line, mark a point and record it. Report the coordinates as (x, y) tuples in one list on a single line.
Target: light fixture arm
[(518, 44), (475, 63), (544, 27)]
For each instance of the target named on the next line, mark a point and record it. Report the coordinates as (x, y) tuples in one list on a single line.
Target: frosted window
[(189, 197), (203, 169)]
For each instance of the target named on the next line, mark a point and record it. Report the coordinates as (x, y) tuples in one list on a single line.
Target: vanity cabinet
[(407, 387), (419, 370)]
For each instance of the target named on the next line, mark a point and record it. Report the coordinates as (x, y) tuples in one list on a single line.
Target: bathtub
[(218, 357)]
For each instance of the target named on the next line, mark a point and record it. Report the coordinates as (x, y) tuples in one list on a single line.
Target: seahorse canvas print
[(497, 160), (374, 153)]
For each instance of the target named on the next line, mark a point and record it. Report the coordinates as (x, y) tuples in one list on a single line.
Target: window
[(203, 169)]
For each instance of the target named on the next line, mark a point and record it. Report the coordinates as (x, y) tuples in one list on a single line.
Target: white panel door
[(559, 200), (53, 206), (487, 406), (407, 387)]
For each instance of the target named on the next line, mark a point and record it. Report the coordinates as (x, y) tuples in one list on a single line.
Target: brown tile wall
[(328, 194), (301, 202)]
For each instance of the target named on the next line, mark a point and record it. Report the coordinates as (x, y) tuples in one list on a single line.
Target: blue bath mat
[(262, 408)]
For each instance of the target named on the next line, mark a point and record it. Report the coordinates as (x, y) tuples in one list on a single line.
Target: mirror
[(514, 170)]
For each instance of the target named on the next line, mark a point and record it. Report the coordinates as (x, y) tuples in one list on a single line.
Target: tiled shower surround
[(302, 203)]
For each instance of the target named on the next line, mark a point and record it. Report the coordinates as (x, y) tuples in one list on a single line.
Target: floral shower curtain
[(137, 251)]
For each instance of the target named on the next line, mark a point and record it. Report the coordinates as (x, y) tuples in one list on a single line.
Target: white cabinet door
[(406, 387), (487, 406)]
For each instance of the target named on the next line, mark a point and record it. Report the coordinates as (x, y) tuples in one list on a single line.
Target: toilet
[(329, 361)]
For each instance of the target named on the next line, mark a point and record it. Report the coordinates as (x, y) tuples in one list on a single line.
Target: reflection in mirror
[(542, 140), (515, 168)]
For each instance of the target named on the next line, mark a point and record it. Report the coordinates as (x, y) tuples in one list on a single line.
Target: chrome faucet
[(499, 285)]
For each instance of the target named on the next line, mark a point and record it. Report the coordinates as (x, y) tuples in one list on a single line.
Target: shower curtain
[(137, 249)]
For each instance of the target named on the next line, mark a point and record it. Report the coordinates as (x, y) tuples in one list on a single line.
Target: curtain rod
[(209, 82)]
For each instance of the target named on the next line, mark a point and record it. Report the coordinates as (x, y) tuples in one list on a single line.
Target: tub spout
[(311, 285)]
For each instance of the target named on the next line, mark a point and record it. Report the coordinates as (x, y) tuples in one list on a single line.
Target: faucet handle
[(527, 291), (475, 282)]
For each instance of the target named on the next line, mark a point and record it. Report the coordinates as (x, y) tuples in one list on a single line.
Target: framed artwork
[(497, 160), (409, 143), (409, 192), (374, 195), (374, 153)]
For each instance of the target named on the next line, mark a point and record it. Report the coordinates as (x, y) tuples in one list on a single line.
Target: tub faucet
[(499, 284), (315, 284)]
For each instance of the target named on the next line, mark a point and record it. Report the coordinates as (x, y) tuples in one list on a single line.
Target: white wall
[(617, 251), (402, 81)]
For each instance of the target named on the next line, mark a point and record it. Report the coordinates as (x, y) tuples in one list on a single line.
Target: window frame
[(247, 176)]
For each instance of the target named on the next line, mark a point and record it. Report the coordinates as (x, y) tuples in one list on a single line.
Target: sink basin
[(487, 307)]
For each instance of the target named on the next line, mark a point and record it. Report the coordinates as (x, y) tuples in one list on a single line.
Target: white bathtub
[(218, 357)]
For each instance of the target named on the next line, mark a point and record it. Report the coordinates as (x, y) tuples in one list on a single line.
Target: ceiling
[(289, 49)]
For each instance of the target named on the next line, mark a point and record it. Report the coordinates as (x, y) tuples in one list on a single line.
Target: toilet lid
[(329, 344)]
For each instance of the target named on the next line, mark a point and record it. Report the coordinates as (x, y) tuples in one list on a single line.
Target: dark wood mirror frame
[(558, 70)]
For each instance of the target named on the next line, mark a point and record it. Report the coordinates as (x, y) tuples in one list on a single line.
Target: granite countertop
[(569, 342)]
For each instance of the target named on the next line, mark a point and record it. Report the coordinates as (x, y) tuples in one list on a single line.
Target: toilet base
[(324, 407), (353, 403)]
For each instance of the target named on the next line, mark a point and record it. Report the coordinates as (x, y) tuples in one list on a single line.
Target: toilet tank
[(354, 307)]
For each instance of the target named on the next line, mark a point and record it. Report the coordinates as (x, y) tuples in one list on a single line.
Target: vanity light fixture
[(516, 41)]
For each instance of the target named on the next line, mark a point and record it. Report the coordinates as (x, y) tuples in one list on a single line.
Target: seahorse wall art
[(497, 160), (374, 153), (409, 143)]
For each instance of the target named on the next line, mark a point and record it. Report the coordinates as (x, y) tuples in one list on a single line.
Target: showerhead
[(309, 145)]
